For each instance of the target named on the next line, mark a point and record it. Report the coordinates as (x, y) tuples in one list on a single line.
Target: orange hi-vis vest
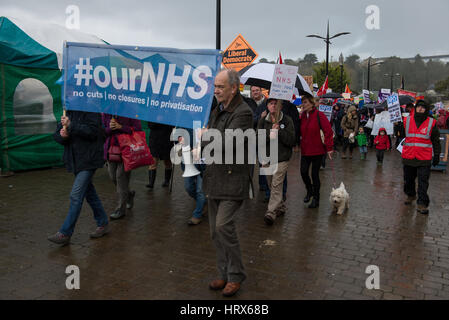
[(417, 144)]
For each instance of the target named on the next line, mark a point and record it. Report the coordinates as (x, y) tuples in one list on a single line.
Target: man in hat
[(421, 149)]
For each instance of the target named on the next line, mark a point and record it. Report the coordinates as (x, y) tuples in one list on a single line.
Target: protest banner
[(394, 108), (403, 92), (163, 85), (284, 78), (327, 110), (238, 54), (383, 95), (346, 95), (366, 96)]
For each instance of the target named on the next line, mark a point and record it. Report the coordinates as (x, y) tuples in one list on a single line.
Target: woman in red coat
[(312, 148)]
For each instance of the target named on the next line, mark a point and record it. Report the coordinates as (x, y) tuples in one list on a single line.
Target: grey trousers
[(121, 181), (224, 235)]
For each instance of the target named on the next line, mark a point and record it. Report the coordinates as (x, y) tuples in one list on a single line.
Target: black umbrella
[(331, 95), (402, 100), (380, 106), (369, 106)]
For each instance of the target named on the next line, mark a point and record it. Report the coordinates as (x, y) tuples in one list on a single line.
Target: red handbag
[(134, 149), (114, 154)]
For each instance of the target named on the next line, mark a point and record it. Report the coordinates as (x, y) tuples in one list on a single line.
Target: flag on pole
[(323, 88), (280, 59), (347, 89)]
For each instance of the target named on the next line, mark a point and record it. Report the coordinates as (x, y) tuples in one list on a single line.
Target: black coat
[(83, 149), (287, 139), (289, 109), (159, 140)]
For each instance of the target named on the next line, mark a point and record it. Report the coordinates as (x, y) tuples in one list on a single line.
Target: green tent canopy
[(30, 99)]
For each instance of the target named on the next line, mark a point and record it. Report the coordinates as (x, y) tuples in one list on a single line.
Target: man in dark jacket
[(283, 130), (82, 136), (227, 185), (422, 138)]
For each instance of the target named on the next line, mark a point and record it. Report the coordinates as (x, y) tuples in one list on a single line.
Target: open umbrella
[(331, 95), (405, 99), (261, 75)]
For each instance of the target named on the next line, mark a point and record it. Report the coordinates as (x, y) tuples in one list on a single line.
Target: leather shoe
[(217, 284), (231, 289)]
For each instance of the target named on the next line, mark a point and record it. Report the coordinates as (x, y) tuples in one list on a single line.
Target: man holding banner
[(81, 135), (422, 142)]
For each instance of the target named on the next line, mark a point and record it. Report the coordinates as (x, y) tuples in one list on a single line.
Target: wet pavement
[(153, 254)]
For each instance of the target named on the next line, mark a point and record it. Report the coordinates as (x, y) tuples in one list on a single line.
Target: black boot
[(315, 199), (309, 194), (315, 202), (151, 178), (167, 178)]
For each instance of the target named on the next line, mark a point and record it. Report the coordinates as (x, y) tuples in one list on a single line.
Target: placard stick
[(64, 115)]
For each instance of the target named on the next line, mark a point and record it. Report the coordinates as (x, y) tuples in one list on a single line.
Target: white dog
[(339, 199)]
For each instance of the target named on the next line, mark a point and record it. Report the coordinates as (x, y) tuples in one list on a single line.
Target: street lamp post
[(341, 72), (327, 41), (369, 68), (218, 26), (391, 75)]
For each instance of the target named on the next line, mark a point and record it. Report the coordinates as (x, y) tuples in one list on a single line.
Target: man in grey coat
[(227, 185)]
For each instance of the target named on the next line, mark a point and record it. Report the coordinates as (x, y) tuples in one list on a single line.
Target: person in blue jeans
[(194, 184), (194, 187), (82, 136)]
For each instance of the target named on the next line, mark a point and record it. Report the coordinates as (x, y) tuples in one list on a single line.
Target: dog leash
[(333, 172)]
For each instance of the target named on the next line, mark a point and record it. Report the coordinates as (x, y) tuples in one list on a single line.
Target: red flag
[(323, 88), (347, 89), (280, 58)]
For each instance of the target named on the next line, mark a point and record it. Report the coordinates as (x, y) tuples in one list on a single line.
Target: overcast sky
[(407, 27)]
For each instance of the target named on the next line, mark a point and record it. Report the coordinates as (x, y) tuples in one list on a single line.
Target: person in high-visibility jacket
[(421, 149)]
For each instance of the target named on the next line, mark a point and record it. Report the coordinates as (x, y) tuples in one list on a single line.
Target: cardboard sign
[(327, 110), (239, 54), (284, 79), (366, 96), (383, 95), (382, 120), (394, 108), (400, 145), (346, 95)]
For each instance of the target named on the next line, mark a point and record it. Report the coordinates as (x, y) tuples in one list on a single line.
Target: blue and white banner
[(327, 110), (163, 85), (394, 108)]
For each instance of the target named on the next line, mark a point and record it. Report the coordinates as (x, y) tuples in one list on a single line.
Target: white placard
[(399, 148), (327, 110), (394, 108), (382, 120), (283, 82)]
